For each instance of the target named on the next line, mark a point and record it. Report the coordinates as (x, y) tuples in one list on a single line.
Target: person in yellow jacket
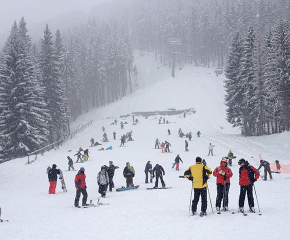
[(199, 174)]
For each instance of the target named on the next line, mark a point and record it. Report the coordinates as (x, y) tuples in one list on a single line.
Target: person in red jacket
[(80, 183), (223, 174), (247, 176)]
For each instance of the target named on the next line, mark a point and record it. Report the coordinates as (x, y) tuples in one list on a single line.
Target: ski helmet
[(241, 161), (82, 169), (224, 160), (54, 166), (104, 167)]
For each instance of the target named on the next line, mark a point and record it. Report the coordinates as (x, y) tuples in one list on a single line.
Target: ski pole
[(257, 200), (190, 199), (209, 198)]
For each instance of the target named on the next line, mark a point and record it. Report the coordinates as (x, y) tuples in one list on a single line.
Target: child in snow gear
[(86, 155), (52, 178), (80, 183), (210, 147), (79, 156), (199, 174), (148, 169), (159, 172), (198, 134), (92, 142), (114, 134), (177, 160), (70, 163), (186, 145), (267, 169), (230, 157), (247, 176), (167, 144), (129, 173), (278, 166), (157, 143), (223, 174), (111, 172), (168, 131), (103, 181)]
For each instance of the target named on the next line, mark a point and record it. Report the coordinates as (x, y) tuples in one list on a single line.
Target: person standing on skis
[(81, 187), (223, 174), (157, 143)]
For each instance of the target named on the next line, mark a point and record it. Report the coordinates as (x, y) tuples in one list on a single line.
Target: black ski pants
[(249, 190), (78, 195), (222, 194), (103, 189), (157, 145), (197, 193), (161, 179), (111, 183), (146, 176)]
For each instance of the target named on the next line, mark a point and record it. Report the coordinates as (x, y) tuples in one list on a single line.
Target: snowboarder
[(92, 142), (230, 157), (247, 176), (189, 136), (123, 138), (198, 134), (210, 148), (52, 178), (86, 155), (79, 156), (186, 145), (159, 172), (267, 169), (167, 144), (103, 181), (200, 174), (148, 169), (129, 173), (114, 134), (80, 183), (111, 172), (157, 143), (223, 174), (168, 131), (70, 163), (177, 160)]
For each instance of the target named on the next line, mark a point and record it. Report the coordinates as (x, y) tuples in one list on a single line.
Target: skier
[(123, 140), (247, 176), (129, 173), (52, 178), (168, 131), (267, 169), (148, 169), (157, 143), (163, 120), (103, 181), (80, 183), (167, 144), (114, 134), (79, 156), (198, 134), (177, 160), (122, 125), (159, 172), (70, 163), (223, 174), (111, 172), (230, 157), (92, 142), (86, 155), (103, 128), (130, 136), (200, 174), (189, 136), (210, 147), (186, 145)]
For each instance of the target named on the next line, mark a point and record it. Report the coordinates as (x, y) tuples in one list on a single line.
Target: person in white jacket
[(103, 181), (210, 149)]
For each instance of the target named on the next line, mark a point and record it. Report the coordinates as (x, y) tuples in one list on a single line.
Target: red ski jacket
[(248, 175), (220, 177), (80, 180)]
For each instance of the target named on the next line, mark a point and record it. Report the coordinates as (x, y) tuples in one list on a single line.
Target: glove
[(190, 178), (223, 173), (220, 172), (77, 188)]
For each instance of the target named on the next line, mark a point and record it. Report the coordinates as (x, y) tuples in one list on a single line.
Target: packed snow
[(157, 214)]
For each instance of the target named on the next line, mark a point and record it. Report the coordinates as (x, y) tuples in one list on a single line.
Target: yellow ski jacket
[(199, 174)]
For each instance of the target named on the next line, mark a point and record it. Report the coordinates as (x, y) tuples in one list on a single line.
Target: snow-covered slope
[(142, 214)]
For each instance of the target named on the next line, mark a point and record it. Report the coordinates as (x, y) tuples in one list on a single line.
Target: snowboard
[(173, 165), (125, 188), (63, 186), (159, 188)]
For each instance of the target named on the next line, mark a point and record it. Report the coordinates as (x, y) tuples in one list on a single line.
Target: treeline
[(43, 87)]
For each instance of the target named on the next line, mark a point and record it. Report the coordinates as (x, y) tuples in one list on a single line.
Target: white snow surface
[(154, 214)]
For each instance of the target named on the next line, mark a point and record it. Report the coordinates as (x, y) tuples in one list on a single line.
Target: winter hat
[(241, 161), (54, 166), (198, 159), (104, 167), (224, 160), (82, 169), (177, 155)]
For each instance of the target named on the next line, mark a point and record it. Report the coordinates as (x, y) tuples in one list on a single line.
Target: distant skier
[(115, 121), (70, 163), (267, 169), (159, 172), (114, 134), (148, 169), (186, 145), (210, 147), (52, 178), (198, 134), (223, 174), (105, 137), (157, 143), (167, 144), (189, 136), (103, 181), (92, 142), (230, 157), (164, 120), (177, 160), (122, 125), (278, 166), (130, 136), (103, 128), (111, 172), (163, 146), (86, 155), (80, 183), (123, 139), (129, 173), (79, 156), (168, 131)]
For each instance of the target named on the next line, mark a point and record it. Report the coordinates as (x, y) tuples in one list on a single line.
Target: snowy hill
[(142, 214)]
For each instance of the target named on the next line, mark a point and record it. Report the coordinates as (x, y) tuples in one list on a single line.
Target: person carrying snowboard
[(103, 181), (81, 188), (199, 174), (148, 169), (86, 155), (129, 173), (157, 143), (230, 157), (79, 156), (111, 172), (267, 169), (159, 172), (247, 176), (223, 174), (177, 160), (52, 178), (186, 146), (70, 163), (210, 147)]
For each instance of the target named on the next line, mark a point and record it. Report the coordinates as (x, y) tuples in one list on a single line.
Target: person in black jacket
[(177, 160), (111, 171), (267, 169), (159, 172), (52, 178), (129, 173)]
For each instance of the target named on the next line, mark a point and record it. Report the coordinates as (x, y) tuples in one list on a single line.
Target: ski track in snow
[(143, 214)]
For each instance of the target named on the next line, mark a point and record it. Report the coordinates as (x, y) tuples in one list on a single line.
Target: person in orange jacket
[(80, 183), (223, 174), (247, 176)]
